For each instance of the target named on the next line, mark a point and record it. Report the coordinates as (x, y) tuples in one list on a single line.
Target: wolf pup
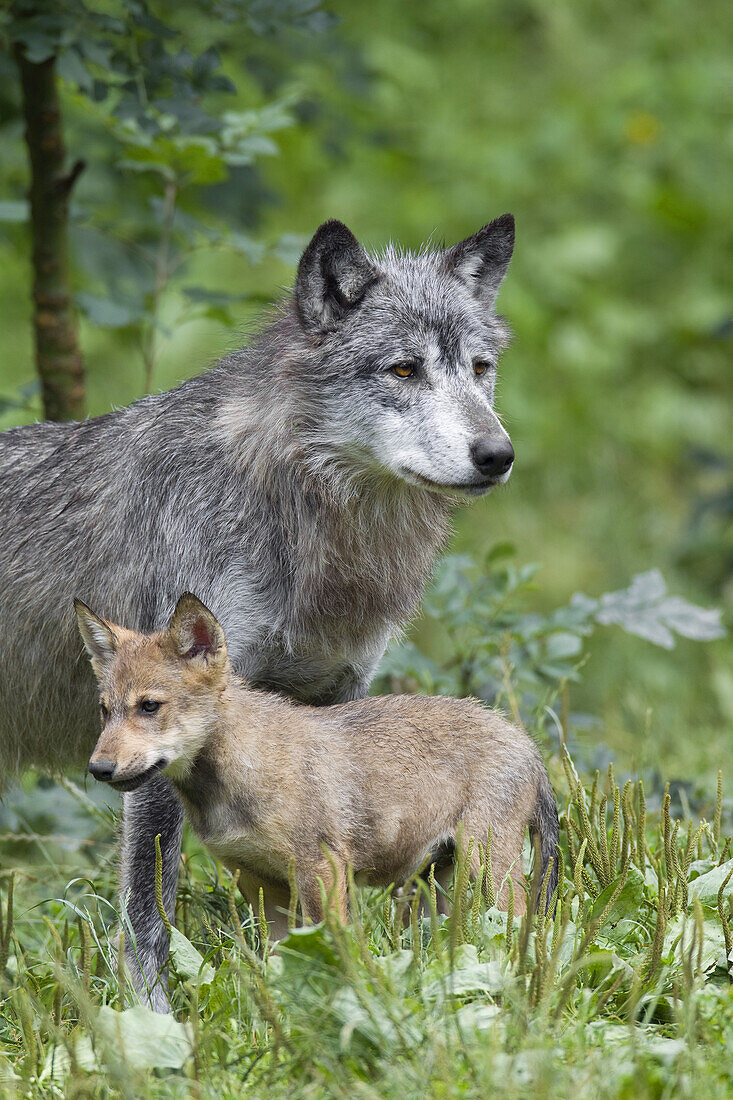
[(380, 782), (302, 487)]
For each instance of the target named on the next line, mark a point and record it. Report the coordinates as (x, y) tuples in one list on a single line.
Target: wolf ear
[(194, 632), (333, 276), (482, 260), (98, 635)]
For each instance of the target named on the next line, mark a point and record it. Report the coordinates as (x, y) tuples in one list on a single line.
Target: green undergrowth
[(622, 989)]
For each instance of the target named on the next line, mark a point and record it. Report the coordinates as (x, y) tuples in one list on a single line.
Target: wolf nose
[(492, 458), (103, 770)]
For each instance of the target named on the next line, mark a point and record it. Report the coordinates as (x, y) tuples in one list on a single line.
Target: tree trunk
[(58, 358)]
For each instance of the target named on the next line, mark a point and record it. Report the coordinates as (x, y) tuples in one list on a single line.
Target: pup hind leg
[(444, 867), (507, 865), (506, 860)]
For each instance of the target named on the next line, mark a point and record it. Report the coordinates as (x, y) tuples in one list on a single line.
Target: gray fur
[(547, 829), (299, 487)]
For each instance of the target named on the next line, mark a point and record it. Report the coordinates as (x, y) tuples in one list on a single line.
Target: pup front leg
[(276, 902), (315, 879), (154, 808)]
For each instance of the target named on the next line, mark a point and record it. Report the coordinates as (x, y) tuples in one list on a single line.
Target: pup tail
[(546, 827)]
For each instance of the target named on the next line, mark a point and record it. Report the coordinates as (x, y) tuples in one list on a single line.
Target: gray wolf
[(302, 487), (381, 783)]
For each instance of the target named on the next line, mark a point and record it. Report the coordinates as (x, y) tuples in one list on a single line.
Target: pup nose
[(103, 770), (492, 458)]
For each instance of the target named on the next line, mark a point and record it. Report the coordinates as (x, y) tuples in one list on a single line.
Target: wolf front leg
[(154, 808)]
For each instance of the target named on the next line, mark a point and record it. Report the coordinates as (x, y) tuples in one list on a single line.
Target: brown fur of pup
[(379, 782)]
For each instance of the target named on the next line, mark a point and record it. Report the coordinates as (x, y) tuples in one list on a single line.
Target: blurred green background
[(607, 130)]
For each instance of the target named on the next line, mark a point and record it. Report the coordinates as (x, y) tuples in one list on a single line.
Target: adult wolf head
[(387, 364)]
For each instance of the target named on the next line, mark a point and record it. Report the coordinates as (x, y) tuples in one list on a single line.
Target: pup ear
[(481, 261), (194, 632), (98, 635), (333, 276)]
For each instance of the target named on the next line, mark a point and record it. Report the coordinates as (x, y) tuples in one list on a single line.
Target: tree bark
[(58, 358)]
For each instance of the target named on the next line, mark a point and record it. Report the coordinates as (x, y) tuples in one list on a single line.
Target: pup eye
[(403, 370), (149, 706), (481, 366), (103, 712)]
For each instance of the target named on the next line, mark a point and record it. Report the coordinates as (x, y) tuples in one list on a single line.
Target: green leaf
[(477, 1016), (141, 1039), (500, 551), (212, 297), (106, 312), (304, 946), (71, 68), (627, 904), (680, 934), (365, 1017), (645, 609), (189, 962), (14, 210), (706, 886), (159, 167), (57, 1065), (562, 644), (38, 46), (290, 247), (468, 976), (698, 623)]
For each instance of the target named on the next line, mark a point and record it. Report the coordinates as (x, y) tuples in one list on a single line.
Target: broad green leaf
[(645, 609), (8, 1076), (106, 312), (603, 962), (467, 976), (14, 210), (679, 936), (141, 1039), (700, 867), (562, 644), (189, 962), (71, 68), (289, 248), (397, 964), (627, 904), (365, 1016), (212, 297), (706, 886), (304, 947), (698, 623), (38, 46), (477, 1016), (57, 1065)]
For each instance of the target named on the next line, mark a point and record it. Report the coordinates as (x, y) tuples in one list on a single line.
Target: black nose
[(103, 770), (491, 457)]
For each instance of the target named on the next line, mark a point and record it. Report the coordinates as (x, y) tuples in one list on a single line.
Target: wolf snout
[(491, 457), (103, 770)]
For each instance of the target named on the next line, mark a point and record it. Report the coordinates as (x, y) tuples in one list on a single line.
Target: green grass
[(623, 993)]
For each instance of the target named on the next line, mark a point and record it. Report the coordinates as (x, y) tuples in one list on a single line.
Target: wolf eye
[(403, 370), (103, 712), (149, 706), (481, 366)]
